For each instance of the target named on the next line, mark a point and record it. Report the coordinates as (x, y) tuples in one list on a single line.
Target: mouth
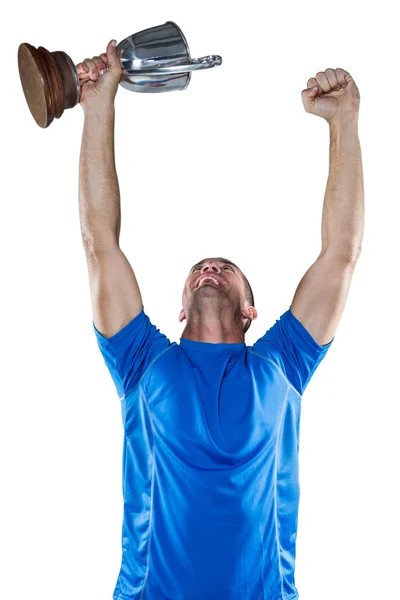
[(208, 280)]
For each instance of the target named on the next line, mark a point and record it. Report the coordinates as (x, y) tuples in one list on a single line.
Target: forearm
[(343, 210), (99, 197)]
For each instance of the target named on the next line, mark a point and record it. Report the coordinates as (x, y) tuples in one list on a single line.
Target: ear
[(182, 316), (249, 312)]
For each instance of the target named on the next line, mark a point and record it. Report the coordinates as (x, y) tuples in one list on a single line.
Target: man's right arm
[(115, 294)]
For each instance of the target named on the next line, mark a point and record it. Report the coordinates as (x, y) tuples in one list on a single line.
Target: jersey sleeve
[(289, 345), (128, 353)]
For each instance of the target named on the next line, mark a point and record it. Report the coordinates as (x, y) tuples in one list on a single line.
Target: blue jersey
[(210, 461)]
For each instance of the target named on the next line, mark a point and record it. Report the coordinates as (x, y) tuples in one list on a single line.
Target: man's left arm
[(321, 295)]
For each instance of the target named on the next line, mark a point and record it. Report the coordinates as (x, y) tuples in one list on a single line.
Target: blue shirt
[(210, 461)]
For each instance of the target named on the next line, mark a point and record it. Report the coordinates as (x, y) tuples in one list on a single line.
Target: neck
[(215, 328)]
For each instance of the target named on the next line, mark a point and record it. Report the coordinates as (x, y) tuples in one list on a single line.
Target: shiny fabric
[(210, 461)]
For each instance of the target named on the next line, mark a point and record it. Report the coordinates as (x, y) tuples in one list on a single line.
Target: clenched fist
[(332, 95)]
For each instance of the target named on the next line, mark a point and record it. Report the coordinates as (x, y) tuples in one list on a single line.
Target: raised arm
[(321, 295), (115, 294)]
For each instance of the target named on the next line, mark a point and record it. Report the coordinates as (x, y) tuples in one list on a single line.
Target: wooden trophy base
[(50, 82)]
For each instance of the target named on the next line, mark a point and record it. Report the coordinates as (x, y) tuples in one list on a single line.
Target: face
[(228, 281)]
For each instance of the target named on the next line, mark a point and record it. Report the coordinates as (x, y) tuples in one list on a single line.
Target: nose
[(211, 265)]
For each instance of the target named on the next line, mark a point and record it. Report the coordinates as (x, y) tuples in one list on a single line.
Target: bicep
[(115, 294), (321, 296)]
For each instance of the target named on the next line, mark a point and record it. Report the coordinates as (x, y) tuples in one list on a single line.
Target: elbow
[(349, 252)]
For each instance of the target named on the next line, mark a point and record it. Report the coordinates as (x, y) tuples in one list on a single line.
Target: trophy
[(154, 60)]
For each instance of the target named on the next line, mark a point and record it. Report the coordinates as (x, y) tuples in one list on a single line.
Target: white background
[(235, 149)]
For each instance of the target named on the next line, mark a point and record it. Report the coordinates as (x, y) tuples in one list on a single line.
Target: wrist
[(98, 109), (345, 122)]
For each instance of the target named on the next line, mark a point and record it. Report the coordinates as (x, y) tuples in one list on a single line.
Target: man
[(211, 426)]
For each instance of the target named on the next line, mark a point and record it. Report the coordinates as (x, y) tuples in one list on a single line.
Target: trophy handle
[(180, 66), (193, 64)]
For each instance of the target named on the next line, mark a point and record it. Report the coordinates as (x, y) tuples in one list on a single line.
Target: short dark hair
[(249, 296)]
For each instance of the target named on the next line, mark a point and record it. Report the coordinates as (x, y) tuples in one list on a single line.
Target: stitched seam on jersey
[(279, 369), (143, 395), (129, 390), (278, 546)]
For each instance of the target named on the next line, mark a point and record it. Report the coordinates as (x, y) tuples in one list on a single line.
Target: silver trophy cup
[(158, 60)]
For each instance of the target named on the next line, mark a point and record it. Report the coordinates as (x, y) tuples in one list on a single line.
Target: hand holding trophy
[(101, 74), (152, 61)]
